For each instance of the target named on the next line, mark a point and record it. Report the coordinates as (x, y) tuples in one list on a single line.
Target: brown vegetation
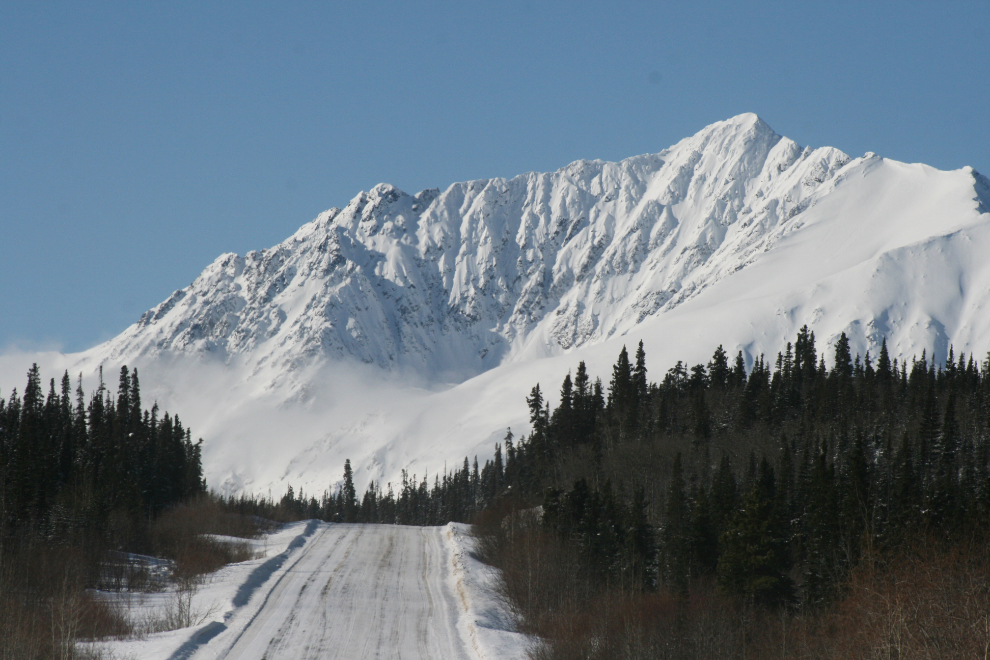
[(44, 607), (46, 598), (184, 535), (932, 601)]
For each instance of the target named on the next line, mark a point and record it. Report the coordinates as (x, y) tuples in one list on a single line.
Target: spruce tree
[(563, 418), (639, 383), (675, 532), (349, 495), (884, 371), (754, 562), (843, 358), (718, 369), (739, 371), (621, 403), (640, 541)]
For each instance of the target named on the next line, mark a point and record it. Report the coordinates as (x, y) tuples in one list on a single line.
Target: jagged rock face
[(452, 283)]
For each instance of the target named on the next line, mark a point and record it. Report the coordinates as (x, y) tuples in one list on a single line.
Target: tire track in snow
[(276, 594), (279, 642), (255, 581), (386, 595)]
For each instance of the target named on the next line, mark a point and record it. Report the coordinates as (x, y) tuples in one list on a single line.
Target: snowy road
[(320, 590), (357, 591)]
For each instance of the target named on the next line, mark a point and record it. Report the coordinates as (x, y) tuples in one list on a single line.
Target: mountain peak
[(747, 119), (734, 236), (455, 282), (742, 123)]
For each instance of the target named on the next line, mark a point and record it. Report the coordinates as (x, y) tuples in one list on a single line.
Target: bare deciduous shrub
[(177, 612), (44, 608), (537, 571), (628, 626), (183, 535), (930, 602)]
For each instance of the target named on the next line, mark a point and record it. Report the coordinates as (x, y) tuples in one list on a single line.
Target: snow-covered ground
[(342, 591)]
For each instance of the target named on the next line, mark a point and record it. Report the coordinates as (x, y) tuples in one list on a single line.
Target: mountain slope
[(455, 282), (339, 341)]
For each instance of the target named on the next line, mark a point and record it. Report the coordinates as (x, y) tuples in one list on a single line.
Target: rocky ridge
[(453, 283)]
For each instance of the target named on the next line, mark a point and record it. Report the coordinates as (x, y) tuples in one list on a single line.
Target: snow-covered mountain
[(344, 339), (459, 281)]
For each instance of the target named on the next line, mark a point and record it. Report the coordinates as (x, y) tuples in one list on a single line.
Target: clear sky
[(140, 140)]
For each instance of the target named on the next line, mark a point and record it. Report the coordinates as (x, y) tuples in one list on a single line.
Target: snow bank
[(486, 624), (222, 595)]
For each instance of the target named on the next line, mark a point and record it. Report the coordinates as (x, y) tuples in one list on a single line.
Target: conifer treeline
[(453, 497), (778, 479), (772, 481), (67, 463)]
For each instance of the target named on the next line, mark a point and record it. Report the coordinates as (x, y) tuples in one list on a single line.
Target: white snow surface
[(343, 591), (404, 331)]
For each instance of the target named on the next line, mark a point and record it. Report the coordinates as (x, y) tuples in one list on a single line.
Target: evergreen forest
[(84, 481), (720, 510), (769, 489), (773, 481), (69, 463)]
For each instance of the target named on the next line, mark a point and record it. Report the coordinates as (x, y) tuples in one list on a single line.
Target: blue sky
[(138, 141)]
